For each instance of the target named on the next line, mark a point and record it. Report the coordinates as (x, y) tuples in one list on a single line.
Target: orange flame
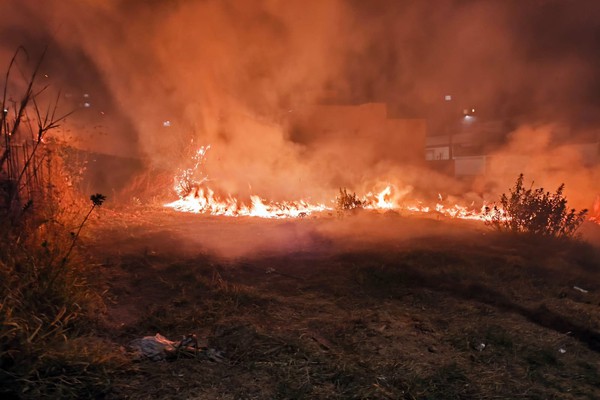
[(196, 197)]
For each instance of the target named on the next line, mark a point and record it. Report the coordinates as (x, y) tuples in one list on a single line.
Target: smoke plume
[(155, 79)]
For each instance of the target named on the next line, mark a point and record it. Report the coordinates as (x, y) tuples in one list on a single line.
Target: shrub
[(346, 201), (46, 302), (536, 212)]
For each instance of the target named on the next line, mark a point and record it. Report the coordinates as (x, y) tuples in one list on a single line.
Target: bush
[(536, 212), (46, 302), (346, 201)]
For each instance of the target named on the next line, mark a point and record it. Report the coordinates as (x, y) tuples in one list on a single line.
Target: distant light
[(448, 97), (46, 75), (86, 95), (472, 110), (166, 124), (6, 111), (87, 105)]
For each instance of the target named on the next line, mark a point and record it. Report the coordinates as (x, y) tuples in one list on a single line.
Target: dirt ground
[(379, 306)]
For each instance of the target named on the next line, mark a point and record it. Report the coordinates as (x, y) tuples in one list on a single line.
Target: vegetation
[(474, 317), (536, 212), (346, 201), (46, 301)]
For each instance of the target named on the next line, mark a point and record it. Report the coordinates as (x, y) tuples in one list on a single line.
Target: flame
[(191, 185), (383, 199), (203, 200), (596, 211)]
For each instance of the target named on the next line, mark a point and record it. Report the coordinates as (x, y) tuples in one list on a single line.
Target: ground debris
[(158, 348), (580, 289)]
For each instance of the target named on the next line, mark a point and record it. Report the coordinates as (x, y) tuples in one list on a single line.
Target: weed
[(347, 202), (536, 212), (46, 302)]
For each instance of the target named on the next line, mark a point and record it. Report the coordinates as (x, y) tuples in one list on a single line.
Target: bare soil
[(381, 306)]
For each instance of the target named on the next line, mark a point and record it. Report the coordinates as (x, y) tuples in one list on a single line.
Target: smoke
[(164, 77), (546, 160)]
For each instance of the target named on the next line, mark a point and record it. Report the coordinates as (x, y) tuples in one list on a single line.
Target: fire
[(203, 200), (191, 185), (454, 211), (596, 211)]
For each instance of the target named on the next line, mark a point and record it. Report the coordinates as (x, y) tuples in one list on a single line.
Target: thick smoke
[(164, 77)]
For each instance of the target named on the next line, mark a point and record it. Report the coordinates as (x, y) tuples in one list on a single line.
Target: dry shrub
[(46, 301), (346, 201), (536, 212)]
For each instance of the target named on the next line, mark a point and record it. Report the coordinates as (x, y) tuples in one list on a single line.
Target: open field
[(367, 306)]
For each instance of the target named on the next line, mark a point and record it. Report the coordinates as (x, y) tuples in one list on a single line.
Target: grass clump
[(536, 212), (346, 201)]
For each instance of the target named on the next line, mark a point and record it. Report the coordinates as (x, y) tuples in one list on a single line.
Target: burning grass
[(348, 201)]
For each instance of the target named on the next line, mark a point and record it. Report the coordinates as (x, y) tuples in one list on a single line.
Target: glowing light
[(191, 185), (196, 197), (383, 200)]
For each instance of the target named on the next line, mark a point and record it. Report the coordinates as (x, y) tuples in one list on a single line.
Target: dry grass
[(394, 322), (47, 305)]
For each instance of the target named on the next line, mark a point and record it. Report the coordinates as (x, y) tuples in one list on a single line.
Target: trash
[(480, 347), (580, 289), (155, 347), (562, 351), (158, 347)]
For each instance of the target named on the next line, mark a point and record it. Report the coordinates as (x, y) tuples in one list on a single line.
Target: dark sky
[(526, 59)]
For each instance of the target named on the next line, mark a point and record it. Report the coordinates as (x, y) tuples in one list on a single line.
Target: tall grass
[(46, 302)]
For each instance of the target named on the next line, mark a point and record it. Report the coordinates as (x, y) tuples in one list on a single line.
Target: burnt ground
[(379, 306)]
